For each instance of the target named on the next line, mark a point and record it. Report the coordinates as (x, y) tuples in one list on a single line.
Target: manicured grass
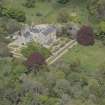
[(91, 57)]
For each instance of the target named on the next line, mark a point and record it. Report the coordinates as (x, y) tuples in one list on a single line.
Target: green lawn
[(90, 57)]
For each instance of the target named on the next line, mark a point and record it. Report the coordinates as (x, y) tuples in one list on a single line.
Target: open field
[(90, 58)]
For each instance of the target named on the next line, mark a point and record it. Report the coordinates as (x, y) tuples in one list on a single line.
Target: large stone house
[(43, 34)]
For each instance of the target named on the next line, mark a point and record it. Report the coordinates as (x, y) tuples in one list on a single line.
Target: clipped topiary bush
[(85, 36)]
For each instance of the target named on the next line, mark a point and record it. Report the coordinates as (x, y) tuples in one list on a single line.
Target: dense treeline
[(13, 13), (59, 85)]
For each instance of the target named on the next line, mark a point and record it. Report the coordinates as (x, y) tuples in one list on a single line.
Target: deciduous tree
[(85, 36)]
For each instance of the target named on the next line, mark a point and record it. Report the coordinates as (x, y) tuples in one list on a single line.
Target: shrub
[(4, 51), (63, 17), (16, 14), (101, 32), (62, 1), (62, 87), (75, 18), (30, 3), (100, 35), (39, 14), (85, 36), (0, 10), (12, 26), (97, 9), (102, 26), (34, 47)]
